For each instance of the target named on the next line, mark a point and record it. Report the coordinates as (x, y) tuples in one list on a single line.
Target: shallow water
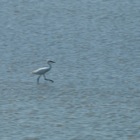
[(96, 91)]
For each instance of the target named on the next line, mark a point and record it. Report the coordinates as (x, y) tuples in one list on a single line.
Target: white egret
[(42, 71)]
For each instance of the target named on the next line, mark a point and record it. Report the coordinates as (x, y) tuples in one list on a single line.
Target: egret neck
[(50, 66)]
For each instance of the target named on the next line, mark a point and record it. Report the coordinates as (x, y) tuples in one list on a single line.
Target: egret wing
[(40, 71)]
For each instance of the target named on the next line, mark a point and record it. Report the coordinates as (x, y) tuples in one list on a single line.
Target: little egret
[(42, 71)]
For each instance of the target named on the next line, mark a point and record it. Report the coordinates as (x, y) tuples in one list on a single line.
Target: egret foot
[(49, 80)]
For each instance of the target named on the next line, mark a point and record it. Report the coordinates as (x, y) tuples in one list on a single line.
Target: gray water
[(96, 93)]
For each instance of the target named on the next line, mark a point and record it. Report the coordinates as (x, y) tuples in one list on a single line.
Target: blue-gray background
[(96, 46)]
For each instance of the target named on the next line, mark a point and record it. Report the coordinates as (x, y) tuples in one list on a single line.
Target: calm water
[(96, 94)]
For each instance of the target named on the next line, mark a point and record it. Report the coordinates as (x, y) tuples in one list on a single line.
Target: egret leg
[(38, 79), (47, 79)]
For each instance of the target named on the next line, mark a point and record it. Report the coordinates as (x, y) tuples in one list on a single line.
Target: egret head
[(50, 61)]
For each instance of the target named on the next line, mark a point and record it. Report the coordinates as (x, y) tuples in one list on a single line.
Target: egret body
[(42, 71)]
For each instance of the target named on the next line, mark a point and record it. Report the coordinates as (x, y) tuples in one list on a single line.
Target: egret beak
[(52, 61)]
